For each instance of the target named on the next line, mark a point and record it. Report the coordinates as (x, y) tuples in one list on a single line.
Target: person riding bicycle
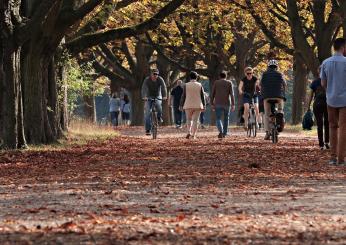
[(273, 87), (247, 88), (153, 87)]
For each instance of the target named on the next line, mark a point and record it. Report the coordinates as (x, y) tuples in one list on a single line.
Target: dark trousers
[(114, 117), (178, 115), (321, 115), (201, 118)]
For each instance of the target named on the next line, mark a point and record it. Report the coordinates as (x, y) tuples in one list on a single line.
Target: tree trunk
[(90, 108), (137, 107), (299, 89)]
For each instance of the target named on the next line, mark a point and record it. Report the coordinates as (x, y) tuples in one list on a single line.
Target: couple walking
[(193, 102)]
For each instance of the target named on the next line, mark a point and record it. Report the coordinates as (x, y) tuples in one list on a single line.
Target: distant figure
[(176, 94), (202, 115), (333, 78), (318, 94), (193, 102), (126, 110), (222, 100), (114, 109)]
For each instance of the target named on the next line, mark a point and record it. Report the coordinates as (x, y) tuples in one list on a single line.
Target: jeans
[(148, 106), (202, 117), (222, 126), (337, 129), (321, 115), (178, 115), (114, 118)]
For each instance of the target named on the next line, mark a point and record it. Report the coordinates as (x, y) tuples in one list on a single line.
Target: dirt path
[(133, 190)]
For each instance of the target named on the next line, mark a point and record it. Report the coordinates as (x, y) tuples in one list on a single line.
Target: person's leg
[(179, 116), (246, 114), (341, 150), (148, 115), (267, 112), (218, 113), (188, 113), (176, 109), (318, 112), (159, 109), (195, 116), (226, 112), (117, 118), (326, 125), (112, 118), (333, 116)]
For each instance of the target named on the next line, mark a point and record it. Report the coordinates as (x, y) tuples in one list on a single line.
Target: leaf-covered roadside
[(135, 190)]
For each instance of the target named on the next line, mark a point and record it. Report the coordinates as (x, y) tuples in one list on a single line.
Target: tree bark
[(137, 107), (90, 108), (299, 89)]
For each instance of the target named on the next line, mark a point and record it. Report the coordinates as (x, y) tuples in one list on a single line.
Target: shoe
[(147, 132), (321, 148), (178, 126), (267, 136), (327, 146), (341, 164), (188, 136), (332, 161), (220, 136), (202, 126), (224, 135)]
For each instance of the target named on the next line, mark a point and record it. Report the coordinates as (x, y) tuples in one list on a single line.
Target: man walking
[(333, 78), (176, 94), (153, 87), (222, 92)]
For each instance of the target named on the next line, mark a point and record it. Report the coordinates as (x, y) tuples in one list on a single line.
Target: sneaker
[(160, 121), (178, 126), (224, 135), (147, 132), (322, 148), (327, 146), (341, 164), (332, 161), (220, 136), (202, 126), (267, 136), (188, 136)]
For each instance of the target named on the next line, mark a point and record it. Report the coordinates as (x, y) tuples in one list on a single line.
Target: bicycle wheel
[(154, 124), (254, 124), (274, 135), (248, 131)]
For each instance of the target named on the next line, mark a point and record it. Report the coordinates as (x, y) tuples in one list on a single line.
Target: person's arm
[(212, 96), (144, 89), (323, 76), (240, 88), (203, 97), (232, 98), (163, 89), (310, 99), (182, 100)]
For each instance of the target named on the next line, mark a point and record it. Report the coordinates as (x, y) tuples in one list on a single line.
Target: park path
[(134, 190)]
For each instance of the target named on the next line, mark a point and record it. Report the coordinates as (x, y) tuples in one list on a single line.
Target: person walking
[(273, 87), (153, 88), (126, 110), (222, 99), (114, 109), (333, 78), (176, 94), (318, 94), (193, 102)]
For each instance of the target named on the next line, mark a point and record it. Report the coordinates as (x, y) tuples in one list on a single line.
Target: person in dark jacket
[(318, 94), (176, 94), (273, 87)]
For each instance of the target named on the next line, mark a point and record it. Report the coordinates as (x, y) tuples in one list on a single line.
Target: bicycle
[(154, 119), (252, 120), (273, 121)]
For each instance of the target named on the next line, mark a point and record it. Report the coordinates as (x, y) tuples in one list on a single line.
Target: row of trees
[(122, 39)]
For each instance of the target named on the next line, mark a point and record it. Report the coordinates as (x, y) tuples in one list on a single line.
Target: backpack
[(308, 120)]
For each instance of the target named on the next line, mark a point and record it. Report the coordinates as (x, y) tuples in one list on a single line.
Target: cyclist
[(153, 87), (247, 88), (273, 87)]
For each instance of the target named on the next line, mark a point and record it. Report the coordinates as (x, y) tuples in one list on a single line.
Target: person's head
[(273, 64), (248, 72), (154, 74), (340, 45), (223, 75), (126, 98), (179, 82), (193, 75)]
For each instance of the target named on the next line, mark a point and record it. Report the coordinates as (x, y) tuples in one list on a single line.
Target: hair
[(248, 69), (339, 43), (126, 99), (154, 71), (193, 75), (223, 74)]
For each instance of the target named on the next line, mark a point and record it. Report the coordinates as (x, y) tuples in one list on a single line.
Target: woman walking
[(125, 110), (114, 109), (318, 94), (193, 102)]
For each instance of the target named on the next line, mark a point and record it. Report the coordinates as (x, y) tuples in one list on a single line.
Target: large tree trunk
[(137, 108), (299, 89)]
